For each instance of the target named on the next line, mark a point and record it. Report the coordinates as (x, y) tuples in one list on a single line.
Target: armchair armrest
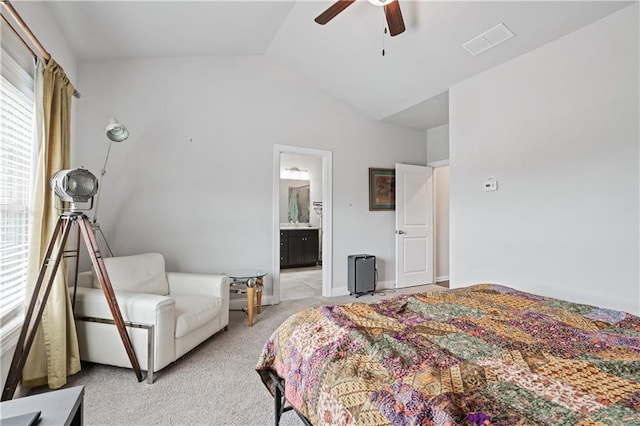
[(181, 283), (192, 284), (136, 307), (101, 342)]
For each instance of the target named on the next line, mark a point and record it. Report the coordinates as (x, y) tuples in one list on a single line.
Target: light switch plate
[(491, 185)]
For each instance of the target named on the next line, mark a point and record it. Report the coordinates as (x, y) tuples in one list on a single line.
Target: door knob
[(400, 231)]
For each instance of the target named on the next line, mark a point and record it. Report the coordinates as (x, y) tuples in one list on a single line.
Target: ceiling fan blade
[(394, 18), (333, 11)]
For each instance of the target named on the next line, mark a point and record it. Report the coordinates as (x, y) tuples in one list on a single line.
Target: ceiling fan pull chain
[(383, 34)]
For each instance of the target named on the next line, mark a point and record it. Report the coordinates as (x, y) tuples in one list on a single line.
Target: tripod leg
[(28, 331), (77, 265), (105, 283)]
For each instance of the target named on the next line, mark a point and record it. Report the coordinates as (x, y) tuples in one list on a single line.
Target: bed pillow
[(140, 273)]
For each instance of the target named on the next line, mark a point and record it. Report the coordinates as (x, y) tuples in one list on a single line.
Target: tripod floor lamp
[(115, 132), (71, 186)]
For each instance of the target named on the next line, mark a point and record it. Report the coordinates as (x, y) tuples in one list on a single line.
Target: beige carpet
[(215, 384)]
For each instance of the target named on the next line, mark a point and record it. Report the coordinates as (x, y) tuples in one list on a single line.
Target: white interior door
[(414, 225)]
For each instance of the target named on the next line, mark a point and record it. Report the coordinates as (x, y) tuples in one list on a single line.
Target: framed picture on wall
[(382, 189)]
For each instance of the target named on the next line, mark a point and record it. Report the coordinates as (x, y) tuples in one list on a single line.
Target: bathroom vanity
[(299, 247)]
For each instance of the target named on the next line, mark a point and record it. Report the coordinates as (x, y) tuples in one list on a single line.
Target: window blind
[(17, 122)]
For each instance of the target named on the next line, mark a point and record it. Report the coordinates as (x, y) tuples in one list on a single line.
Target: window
[(17, 121)]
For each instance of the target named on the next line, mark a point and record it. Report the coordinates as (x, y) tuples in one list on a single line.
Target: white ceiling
[(408, 86)]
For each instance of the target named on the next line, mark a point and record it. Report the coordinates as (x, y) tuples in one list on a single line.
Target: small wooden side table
[(248, 281)]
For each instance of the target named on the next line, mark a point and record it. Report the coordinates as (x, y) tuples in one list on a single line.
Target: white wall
[(441, 208), (558, 128), (438, 151), (194, 180), (438, 143)]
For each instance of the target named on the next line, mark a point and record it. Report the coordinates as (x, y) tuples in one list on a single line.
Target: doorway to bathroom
[(302, 223)]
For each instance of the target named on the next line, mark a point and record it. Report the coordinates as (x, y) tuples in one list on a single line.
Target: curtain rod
[(32, 38)]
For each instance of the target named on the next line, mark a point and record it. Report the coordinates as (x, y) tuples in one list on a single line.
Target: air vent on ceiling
[(488, 39)]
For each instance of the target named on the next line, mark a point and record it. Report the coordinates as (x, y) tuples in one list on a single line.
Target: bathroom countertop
[(294, 227)]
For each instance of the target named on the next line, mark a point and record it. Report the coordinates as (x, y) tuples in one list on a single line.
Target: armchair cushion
[(141, 273)]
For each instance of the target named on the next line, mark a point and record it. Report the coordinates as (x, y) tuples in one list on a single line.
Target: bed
[(480, 355)]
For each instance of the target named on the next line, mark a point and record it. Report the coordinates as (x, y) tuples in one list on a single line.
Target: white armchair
[(168, 313)]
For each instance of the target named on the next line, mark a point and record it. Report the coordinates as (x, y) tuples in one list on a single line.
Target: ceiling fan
[(391, 11)]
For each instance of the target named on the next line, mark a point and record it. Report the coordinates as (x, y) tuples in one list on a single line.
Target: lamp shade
[(115, 131)]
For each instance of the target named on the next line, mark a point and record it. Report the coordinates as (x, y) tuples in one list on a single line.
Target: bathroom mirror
[(294, 201)]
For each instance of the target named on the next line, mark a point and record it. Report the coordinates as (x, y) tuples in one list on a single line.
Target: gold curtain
[(54, 354)]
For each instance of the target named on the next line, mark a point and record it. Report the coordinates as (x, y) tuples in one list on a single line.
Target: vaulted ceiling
[(407, 86)]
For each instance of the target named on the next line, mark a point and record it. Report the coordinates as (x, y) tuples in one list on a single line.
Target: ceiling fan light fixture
[(380, 2)]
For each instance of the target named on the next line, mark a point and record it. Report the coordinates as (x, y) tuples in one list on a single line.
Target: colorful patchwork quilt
[(481, 355)]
